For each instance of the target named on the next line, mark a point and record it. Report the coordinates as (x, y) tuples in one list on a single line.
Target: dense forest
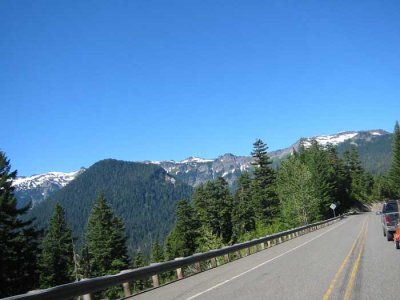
[(140, 194), (267, 200)]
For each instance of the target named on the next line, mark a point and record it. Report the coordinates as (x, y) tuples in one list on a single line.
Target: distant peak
[(335, 139), (193, 159)]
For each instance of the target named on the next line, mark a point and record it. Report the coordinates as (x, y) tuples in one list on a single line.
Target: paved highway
[(348, 260)]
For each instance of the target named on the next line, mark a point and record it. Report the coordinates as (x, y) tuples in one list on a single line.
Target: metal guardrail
[(88, 286)]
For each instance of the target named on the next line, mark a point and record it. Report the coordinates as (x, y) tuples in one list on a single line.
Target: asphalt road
[(348, 260)]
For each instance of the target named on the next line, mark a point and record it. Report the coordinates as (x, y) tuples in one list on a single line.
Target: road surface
[(348, 260)]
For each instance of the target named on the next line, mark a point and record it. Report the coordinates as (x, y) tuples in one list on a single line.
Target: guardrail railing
[(87, 286)]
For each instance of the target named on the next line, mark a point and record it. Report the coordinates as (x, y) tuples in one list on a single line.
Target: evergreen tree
[(360, 181), (56, 262), (200, 204), (105, 240), (139, 262), (186, 227), (243, 215), (381, 189), (172, 246), (185, 231), (341, 180), (324, 179), (18, 239), (207, 240), (219, 204), (157, 254), (265, 200), (394, 172)]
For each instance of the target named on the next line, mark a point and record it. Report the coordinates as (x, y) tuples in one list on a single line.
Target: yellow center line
[(353, 275), (328, 293)]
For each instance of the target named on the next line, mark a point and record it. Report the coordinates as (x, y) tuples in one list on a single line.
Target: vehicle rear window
[(391, 207)]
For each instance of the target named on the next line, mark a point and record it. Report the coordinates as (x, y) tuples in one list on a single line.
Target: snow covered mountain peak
[(58, 178), (193, 159), (341, 137), (35, 188)]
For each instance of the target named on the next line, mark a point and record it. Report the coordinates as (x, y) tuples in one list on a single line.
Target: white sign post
[(333, 206)]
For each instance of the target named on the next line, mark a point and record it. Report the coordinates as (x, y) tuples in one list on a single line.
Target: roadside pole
[(333, 206)]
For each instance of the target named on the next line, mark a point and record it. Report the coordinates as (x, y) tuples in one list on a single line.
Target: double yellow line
[(360, 241)]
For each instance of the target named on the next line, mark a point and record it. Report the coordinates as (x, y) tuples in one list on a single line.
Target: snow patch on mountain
[(193, 159), (58, 178), (334, 139), (36, 188)]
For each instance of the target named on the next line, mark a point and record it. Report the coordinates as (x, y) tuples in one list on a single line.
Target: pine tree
[(172, 246), (318, 161), (243, 215), (18, 239), (360, 181), (341, 181), (207, 240), (56, 262), (157, 254), (186, 229), (105, 240), (265, 200), (139, 262), (219, 205), (394, 172)]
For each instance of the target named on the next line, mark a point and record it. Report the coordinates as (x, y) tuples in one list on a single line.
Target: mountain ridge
[(195, 170)]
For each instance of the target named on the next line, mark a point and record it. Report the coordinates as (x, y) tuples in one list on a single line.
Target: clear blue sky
[(82, 81)]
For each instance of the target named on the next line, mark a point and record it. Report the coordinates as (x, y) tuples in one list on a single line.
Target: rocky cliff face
[(195, 171)]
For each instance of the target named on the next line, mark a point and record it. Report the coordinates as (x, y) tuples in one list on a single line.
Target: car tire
[(397, 244), (389, 236)]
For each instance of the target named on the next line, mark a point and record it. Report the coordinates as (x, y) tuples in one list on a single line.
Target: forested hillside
[(375, 151), (143, 195)]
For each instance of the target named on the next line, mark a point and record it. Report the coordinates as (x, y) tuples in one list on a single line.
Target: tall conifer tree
[(265, 200), (157, 254), (18, 239), (394, 173), (56, 261), (243, 215), (105, 240)]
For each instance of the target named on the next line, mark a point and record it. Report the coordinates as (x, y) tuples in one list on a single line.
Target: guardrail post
[(86, 296), (269, 244), (155, 278), (198, 267), (179, 272), (226, 258), (127, 289), (126, 286), (213, 262), (262, 245), (247, 251)]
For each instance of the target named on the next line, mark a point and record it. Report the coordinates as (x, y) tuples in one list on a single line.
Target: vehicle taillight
[(387, 218)]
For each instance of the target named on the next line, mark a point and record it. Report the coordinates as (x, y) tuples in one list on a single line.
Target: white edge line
[(263, 263)]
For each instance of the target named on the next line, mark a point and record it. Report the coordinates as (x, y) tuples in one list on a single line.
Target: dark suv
[(389, 218)]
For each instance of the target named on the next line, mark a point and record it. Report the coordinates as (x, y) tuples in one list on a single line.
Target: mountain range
[(144, 194), (374, 147)]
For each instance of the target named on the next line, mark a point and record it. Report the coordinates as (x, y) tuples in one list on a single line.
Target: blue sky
[(82, 81)]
